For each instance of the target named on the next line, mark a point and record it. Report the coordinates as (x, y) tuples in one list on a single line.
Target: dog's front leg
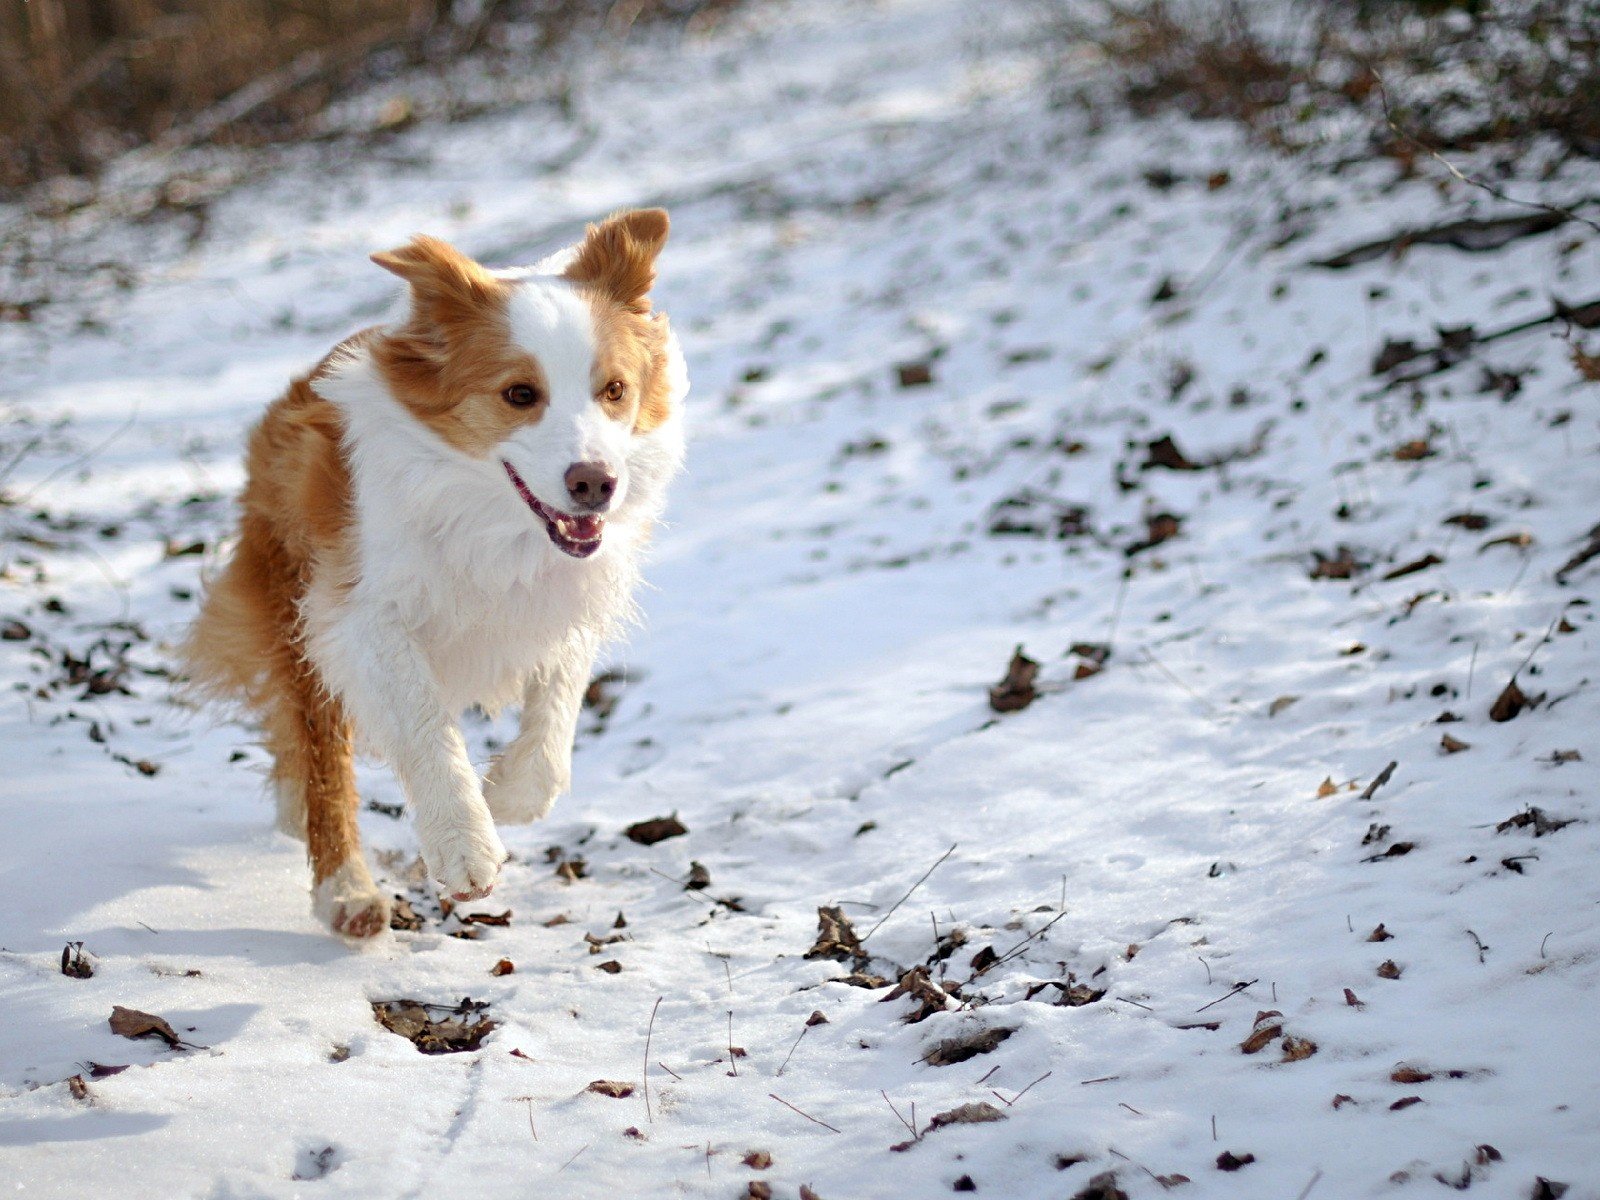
[(536, 767), (390, 692)]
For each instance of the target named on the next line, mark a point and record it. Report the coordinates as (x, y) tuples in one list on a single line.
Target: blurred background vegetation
[(83, 80)]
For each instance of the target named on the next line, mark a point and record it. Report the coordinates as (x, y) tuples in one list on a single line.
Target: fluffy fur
[(413, 541)]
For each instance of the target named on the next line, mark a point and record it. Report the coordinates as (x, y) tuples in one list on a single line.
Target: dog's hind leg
[(314, 774)]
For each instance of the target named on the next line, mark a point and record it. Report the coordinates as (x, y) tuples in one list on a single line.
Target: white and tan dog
[(449, 510)]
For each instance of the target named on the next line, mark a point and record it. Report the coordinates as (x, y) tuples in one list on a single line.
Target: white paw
[(523, 789), (464, 859), (348, 902)]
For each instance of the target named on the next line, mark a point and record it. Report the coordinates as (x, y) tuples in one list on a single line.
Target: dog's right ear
[(446, 285)]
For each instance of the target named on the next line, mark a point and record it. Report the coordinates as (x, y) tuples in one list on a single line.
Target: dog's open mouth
[(577, 536)]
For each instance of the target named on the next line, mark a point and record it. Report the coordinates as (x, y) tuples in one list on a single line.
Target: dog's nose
[(591, 485)]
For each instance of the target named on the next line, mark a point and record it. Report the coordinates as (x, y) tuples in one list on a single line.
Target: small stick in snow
[(1024, 1091), (1207, 966), (1482, 946), (1306, 1191), (804, 1029), (1237, 988), (1213, 1127), (531, 1129), (1019, 947), (1102, 1079), (1132, 1109), (806, 1115), (573, 1159), (1547, 937), (733, 1059), (669, 1070), (907, 896), (1472, 665), (912, 1129), (1379, 780), (1135, 1003), (987, 1073), (648, 1034)]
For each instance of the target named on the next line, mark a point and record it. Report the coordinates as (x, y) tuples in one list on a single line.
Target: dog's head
[(562, 382)]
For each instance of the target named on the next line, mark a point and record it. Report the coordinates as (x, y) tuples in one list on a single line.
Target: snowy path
[(853, 188)]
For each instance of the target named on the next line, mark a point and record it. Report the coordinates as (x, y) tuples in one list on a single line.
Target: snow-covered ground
[(1139, 862)]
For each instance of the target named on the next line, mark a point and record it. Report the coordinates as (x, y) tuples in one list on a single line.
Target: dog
[(449, 510)]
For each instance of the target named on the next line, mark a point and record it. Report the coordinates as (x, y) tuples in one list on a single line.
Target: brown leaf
[(1341, 1100), (758, 1189), (504, 967), (1414, 451), (1229, 1161), (1342, 565), (817, 1017), (1173, 1180), (75, 964), (1511, 702), (131, 1023), (1409, 1075), (1452, 745), (403, 916), (1327, 788), (1164, 452), (1541, 822), (610, 1087), (1412, 568), (1159, 527), (1380, 934), (610, 967), (836, 936), (78, 1087), (757, 1160), (913, 374), (968, 1045), (1265, 1032), (1296, 1049), (436, 1028), (1016, 690), (497, 919), (1352, 1000), (930, 997), (1388, 969), (1404, 1102), (659, 829), (807, 1194), (102, 1071), (1281, 703), (968, 1114)]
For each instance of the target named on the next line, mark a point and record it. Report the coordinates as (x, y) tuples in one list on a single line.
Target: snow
[(855, 187)]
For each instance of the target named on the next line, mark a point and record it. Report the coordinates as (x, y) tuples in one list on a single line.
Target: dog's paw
[(522, 790), (350, 904), (465, 861)]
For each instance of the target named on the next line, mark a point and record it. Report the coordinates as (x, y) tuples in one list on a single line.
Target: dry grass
[(83, 80), (1457, 76)]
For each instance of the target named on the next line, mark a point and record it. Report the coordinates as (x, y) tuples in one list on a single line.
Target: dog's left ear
[(618, 256)]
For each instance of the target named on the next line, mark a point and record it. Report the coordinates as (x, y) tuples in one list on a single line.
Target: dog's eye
[(521, 395), (615, 390)]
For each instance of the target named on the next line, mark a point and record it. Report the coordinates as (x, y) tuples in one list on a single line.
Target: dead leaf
[(436, 1028), (78, 1087), (403, 916), (758, 1189), (1164, 452), (1016, 690), (1261, 1037), (1101, 1187), (968, 1114), (817, 1017), (1229, 1161), (1351, 999), (504, 967), (1297, 1049), (1388, 969), (699, 878), (1380, 933), (1511, 702), (913, 374), (75, 963), (659, 829), (1341, 1100), (1452, 745), (757, 1160), (131, 1023), (1281, 703), (964, 1046), (1409, 1075), (1159, 527), (1411, 568), (1540, 821), (1414, 451), (1341, 565), (930, 997), (102, 1071), (1404, 1102), (571, 870), (611, 967), (1171, 1181), (1327, 788), (610, 1087), (836, 936)]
